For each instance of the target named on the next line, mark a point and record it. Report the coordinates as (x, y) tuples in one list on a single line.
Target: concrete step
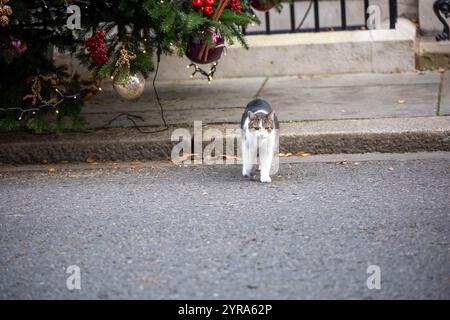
[(432, 55), (315, 137), (379, 51)]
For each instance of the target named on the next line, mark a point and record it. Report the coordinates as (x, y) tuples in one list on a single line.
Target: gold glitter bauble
[(130, 88)]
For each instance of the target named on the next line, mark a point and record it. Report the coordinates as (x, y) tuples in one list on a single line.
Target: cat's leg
[(246, 165), (253, 154), (265, 157)]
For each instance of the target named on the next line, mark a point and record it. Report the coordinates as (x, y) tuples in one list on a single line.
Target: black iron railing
[(314, 6), (442, 10)]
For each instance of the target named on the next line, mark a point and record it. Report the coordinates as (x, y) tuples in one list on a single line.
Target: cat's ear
[(270, 115), (251, 115)]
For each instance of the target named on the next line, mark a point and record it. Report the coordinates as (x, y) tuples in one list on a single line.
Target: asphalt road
[(204, 232)]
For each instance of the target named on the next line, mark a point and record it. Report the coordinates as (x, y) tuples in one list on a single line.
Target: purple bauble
[(262, 6), (195, 45)]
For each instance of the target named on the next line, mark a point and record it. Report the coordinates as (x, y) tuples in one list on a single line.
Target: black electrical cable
[(132, 117)]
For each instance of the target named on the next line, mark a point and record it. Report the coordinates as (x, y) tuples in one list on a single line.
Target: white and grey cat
[(260, 127)]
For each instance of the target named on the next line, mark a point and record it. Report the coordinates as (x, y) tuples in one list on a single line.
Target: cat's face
[(260, 124)]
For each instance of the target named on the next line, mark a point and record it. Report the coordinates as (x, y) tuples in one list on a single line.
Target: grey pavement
[(326, 114), (155, 230), (294, 98)]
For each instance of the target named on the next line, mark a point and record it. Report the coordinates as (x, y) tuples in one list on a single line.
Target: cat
[(259, 127)]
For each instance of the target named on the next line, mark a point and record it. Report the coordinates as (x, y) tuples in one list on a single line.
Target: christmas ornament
[(203, 54), (234, 5), (4, 21), (36, 89), (5, 11), (97, 49), (124, 60), (128, 86), (19, 46), (131, 88), (262, 5), (213, 54), (207, 11), (197, 3)]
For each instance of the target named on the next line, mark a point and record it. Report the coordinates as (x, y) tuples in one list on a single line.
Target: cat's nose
[(257, 128)]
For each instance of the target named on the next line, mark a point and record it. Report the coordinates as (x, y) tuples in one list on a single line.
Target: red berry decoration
[(96, 48), (207, 11), (197, 3), (234, 5), (209, 3)]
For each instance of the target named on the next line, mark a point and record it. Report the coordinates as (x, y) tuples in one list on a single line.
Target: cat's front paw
[(266, 179), (245, 173)]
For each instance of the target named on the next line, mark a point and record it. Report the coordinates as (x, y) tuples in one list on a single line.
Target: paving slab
[(358, 96), (353, 97), (445, 95), (183, 102)]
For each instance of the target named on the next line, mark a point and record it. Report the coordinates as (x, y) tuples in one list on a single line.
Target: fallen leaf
[(391, 169), (205, 193), (401, 101), (302, 154), (281, 154), (65, 162), (343, 162), (51, 168), (44, 161), (90, 159), (441, 70), (183, 157)]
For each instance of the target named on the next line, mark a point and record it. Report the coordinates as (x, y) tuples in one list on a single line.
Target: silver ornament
[(130, 88)]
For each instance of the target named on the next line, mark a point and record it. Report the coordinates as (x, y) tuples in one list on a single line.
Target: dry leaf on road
[(302, 154), (90, 159)]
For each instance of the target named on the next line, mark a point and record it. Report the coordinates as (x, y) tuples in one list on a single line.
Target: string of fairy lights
[(35, 109), (66, 4), (208, 74)]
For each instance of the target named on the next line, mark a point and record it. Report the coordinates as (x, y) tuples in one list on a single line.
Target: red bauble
[(262, 6), (197, 3), (208, 11), (209, 3)]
